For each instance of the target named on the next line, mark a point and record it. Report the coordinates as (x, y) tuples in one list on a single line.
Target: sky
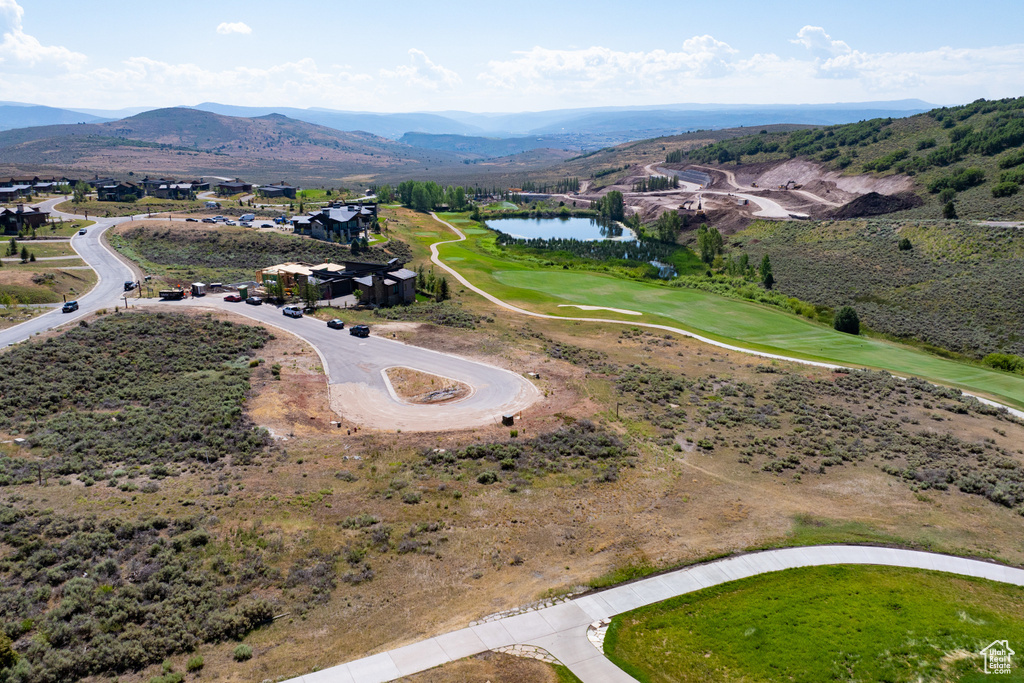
[(401, 56)]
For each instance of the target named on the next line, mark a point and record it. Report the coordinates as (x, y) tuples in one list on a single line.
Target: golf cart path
[(436, 259), (561, 628)]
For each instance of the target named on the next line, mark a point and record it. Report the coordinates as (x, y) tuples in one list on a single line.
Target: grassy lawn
[(729, 320), (822, 623), (40, 249), (144, 205)]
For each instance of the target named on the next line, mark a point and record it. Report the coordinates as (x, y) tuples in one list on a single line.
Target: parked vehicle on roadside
[(359, 331), (336, 324), (234, 298), (82, 231), (70, 306), (129, 285), (254, 301), (192, 220), (292, 311), (247, 217), (209, 220)]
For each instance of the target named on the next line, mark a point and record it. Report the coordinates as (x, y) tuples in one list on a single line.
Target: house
[(235, 186), (118, 192), (97, 182), (149, 185), (291, 275), (337, 223), (380, 284), (279, 190), (200, 185), (7, 194), (15, 220), (172, 191)]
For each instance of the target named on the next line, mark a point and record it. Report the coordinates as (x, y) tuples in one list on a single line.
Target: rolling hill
[(17, 115), (969, 155)]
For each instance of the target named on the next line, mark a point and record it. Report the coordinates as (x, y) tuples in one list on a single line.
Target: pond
[(561, 228)]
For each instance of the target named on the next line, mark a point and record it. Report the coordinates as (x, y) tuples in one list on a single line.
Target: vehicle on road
[(254, 301), (336, 324), (280, 219), (82, 231), (246, 224), (70, 306), (234, 298), (292, 311), (191, 220), (230, 223), (247, 217), (266, 225), (130, 285), (209, 220), (359, 331), (176, 294)]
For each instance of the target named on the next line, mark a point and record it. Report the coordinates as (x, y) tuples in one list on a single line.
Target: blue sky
[(525, 55)]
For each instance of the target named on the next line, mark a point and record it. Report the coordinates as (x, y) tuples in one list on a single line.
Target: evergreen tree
[(24, 254), (767, 278), (846, 320)]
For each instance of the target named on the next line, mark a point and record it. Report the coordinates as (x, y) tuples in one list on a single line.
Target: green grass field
[(843, 623), (732, 321)]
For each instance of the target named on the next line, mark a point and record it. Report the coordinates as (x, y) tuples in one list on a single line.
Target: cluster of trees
[(435, 286), (640, 252), (612, 206), (12, 250), (558, 187), (958, 181), (676, 156), (428, 195), (668, 226), (80, 192), (709, 243), (656, 183)]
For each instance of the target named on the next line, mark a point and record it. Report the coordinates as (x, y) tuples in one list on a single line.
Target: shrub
[(243, 653), (949, 211), (195, 663), (1005, 190), (905, 244), (487, 478), (846, 320), (411, 498), (1004, 361)]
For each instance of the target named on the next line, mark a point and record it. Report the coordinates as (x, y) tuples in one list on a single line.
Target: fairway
[(850, 623), (753, 326)]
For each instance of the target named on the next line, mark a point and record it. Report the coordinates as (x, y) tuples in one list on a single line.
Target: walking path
[(562, 629), (436, 259)]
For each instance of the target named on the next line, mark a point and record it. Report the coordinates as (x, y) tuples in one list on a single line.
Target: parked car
[(209, 220), (292, 311), (266, 225), (246, 224), (336, 324), (192, 220), (234, 298), (359, 331), (247, 217), (230, 223), (82, 231), (70, 306), (130, 285), (254, 301), (217, 219)]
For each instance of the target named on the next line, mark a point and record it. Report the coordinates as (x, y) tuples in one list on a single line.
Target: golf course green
[(842, 623), (533, 286)]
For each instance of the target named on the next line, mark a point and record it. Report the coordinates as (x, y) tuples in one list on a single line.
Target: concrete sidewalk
[(562, 629)]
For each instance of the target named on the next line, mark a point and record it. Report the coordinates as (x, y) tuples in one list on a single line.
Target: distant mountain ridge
[(17, 115), (590, 128)]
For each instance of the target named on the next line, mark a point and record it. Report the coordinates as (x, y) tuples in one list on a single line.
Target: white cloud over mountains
[(700, 69)]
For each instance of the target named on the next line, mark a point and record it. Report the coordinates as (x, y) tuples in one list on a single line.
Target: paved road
[(111, 271), (562, 629), (354, 366), (355, 369)]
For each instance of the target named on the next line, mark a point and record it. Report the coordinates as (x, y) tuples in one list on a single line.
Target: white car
[(292, 311), (230, 223)]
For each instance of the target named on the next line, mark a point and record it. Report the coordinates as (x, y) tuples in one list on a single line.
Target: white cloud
[(421, 72), (225, 28), (18, 49), (820, 43)]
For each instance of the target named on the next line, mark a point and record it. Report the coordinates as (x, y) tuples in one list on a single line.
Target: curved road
[(354, 366), (562, 629)]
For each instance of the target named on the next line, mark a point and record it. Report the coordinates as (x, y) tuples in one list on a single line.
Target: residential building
[(280, 190), (341, 222), (14, 220), (118, 192), (235, 186)]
